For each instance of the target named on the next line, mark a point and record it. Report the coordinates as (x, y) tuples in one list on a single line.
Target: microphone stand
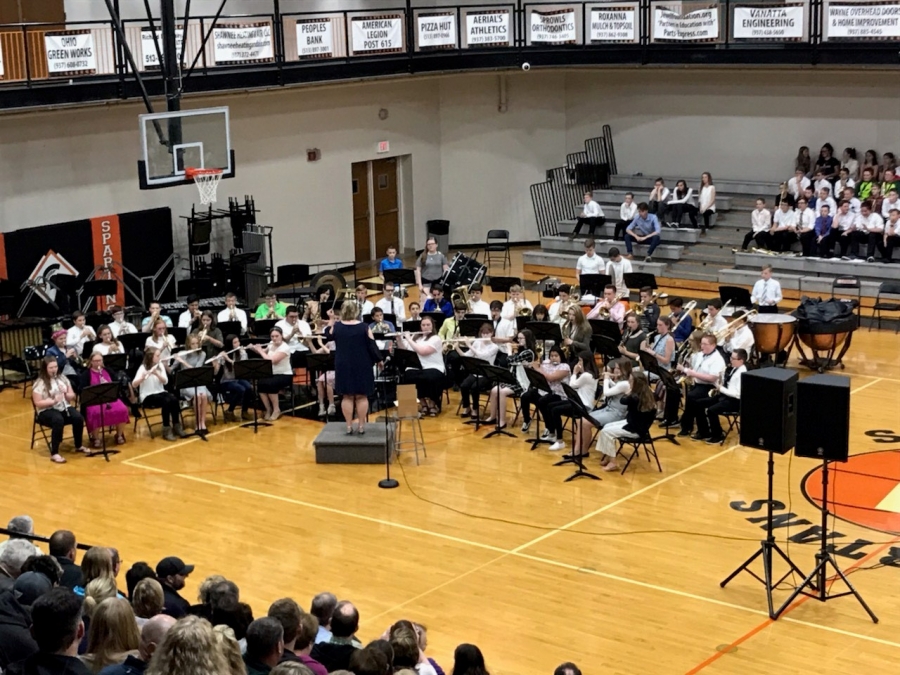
[(387, 482)]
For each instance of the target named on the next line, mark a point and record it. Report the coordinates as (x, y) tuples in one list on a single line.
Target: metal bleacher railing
[(35, 538), (311, 45)]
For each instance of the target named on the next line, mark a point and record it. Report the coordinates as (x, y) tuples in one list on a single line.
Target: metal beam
[(203, 44), (170, 55), (159, 57)]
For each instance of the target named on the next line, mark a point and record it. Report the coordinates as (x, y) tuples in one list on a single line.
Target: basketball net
[(207, 181)]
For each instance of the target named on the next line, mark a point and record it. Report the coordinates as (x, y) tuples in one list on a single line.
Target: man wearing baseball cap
[(171, 573)]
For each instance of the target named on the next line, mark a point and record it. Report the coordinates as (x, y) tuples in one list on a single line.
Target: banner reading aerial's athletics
[(490, 27), (243, 44), (701, 24), (768, 23), (613, 24), (554, 27), (863, 21)]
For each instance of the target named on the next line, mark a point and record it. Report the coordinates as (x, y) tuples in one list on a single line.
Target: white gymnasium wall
[(734, 123)]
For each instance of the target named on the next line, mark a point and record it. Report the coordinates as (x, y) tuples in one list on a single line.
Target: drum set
[(776, 334)]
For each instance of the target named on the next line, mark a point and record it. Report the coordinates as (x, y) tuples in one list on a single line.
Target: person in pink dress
[(114, 414)]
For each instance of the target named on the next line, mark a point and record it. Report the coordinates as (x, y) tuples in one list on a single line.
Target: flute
[(163, 359), (221, 354)]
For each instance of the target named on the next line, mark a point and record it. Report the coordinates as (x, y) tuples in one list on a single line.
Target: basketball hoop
[(207, 181)]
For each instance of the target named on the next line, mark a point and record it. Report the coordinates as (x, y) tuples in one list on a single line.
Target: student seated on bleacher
[(891, 202), (798, 184), (844, 181), (891, 233), (659, 197), (889, 183), (820, 182), (627, 211), (850, 163), (871, 224), (816, 243), (707, 208), (783, 223), (760, 224), (644, 228), (864, 187), (849, 196), (843, 229), (681, 202), (590, 262), (825, 199), (827, 164), (591, 214)]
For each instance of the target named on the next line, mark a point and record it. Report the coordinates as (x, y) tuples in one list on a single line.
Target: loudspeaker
[(823, 417), (768, 409)]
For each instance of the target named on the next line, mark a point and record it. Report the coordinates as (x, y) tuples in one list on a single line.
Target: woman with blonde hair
[(231, 650), (113, 635), (97, 562), (189, 648), (147, 600), (98, 590)]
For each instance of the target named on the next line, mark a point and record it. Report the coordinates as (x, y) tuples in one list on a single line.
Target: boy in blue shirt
[(392, 262)]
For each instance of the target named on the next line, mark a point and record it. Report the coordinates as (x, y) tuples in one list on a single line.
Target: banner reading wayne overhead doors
[(862, 20)]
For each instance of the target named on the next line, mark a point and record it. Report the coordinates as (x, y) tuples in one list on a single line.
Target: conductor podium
[(334, 446)]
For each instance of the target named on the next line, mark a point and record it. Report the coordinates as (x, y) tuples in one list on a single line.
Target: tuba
[(460, 294)]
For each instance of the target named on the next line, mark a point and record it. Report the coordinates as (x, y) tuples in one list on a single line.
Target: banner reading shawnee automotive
[(243, 44), (613, 24), (70, 52), (490, 27), (768, 23), (701, 24), (377, 33), (862, 20), (553, 27)]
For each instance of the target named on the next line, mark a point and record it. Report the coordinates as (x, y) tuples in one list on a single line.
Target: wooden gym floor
[(485, 543)]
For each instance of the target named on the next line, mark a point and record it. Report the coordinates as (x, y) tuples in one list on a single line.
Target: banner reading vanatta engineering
[(315, 39), (71, 52), (768, 23), (377, 33), (490, 27), (553, 27), (879, 21), (613, 24), (248, 43), (701, 24), (436, 30)]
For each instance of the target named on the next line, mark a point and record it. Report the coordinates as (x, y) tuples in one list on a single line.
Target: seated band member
[(437, 302), (609, 303), (119, 325), (742, 338), (662, 348), (150, 382), (591, 214), (540, 313), (429, 380), (79, 334), (556, 371), (632, 338), (650, 312), (766, 292), (106, 344), (576, 332), (62, 354), (52, 396), (617, 267), (481, 348), (616, 386), (715, 322), (638, 420), (314, 312), (209, 335), (390, 304), (232, 312), (160, 339), (363, 304), (590, 262), (760, 224), (270, 308), (279, 353), (562, 299), (504, 332), (516, 303), (584, 381), (728, 396), (198, 396), (682, 326), (155, 310), (644, 228), (295, 330), (627, 212), (450, 331), (325, 381), (524, 356), (706, 367), (115, 414), (190, 317), (235, 392), (415, 311), (476, 304)]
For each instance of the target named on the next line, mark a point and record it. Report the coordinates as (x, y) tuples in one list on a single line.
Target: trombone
[(726, 332), (706, 324), (685, 312)]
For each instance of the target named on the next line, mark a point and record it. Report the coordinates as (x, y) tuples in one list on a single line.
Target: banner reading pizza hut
[(869, 20), (697, 26)]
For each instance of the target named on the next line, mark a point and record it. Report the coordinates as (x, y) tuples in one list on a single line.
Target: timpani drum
[(772, 333)]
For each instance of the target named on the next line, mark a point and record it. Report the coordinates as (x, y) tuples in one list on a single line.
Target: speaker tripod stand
[(817, 580), (768, 548)]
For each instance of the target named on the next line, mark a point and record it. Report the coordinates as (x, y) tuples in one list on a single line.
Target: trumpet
[(641, 306), (524, 311)]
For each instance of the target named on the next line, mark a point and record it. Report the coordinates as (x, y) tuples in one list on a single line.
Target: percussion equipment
[(463, 271), (824, 339), (772, 333)]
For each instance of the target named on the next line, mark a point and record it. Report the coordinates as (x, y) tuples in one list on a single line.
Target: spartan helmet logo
[(49, 266)]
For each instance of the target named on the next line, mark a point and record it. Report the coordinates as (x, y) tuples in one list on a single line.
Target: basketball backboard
[(174, 141)]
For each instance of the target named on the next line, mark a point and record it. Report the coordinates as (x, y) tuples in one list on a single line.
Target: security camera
[(526, 66)]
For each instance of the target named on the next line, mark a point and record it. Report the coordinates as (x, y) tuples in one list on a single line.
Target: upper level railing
[(631, 31)]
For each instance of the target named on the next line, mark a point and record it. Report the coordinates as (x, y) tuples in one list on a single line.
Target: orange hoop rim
[(193, 173)]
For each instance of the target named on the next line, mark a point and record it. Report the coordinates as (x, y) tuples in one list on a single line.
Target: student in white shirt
[(891, 233), (783, 223), (825, 199), (364, 306), (160, 340), (760, 224), (706, 367), (715, 319), (728, 397), (806, 221), (873, 225), (590, 262), (591, 214), (390, 304), (617, 267), (891, 201), (820, 182), (232, 312), (79, 334), (106, 343), (562, 300), (515, 304), (476, 304), (119, 325), (849, 195), (766, 292), (482, 348), (843, 182), (150, 381), (843, 231), (191, 315), (584, 381), (742, 338), (294, 330), (504, 329), (278, 352), (659, 197), (681, 202), (798, 184), (627, 212), (707, 206)]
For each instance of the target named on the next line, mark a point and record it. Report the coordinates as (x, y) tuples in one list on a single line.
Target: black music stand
[(523, 321), (594, 284), (194, 378), (474, 366), (102, 395), (604, 345), (230, 328), (470, 327), (98, 288), (132, 342), (546, 331), (401, 278), (539, 382), (117, 363), (578, 459), (293, 275), (498, 376), (403, 359), (253, 370), (180, 334), (637, 280), (651, 365), (437, 319), (263, 327), (739, 297), (502, 284), (319, 363), (411, 326)]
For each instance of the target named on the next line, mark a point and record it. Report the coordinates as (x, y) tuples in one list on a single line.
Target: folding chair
[(891, 288), (645, 441), (32, 357), (146, 418), (497, 242), (849, 283), (36, 425), (408, 411), (734, 422)]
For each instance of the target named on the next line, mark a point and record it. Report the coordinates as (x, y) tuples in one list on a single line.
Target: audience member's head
[(98, 590), (152, 634), (138, 571), (189, 648), (62, 544), (296, 668), (468, 660), (148, 598), (643, 209), (56, 624), (287, 612), (383, 646), (116, 561), (265, 641), (172, 572), (206, 586), (345, 620), (14, 555), (306, 634), (20, 525), (113, 631), (369, 662), (231, 650), (30, 586), (322, 608), (405, 644), (46, 565), (97, 562), (567, 668)]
